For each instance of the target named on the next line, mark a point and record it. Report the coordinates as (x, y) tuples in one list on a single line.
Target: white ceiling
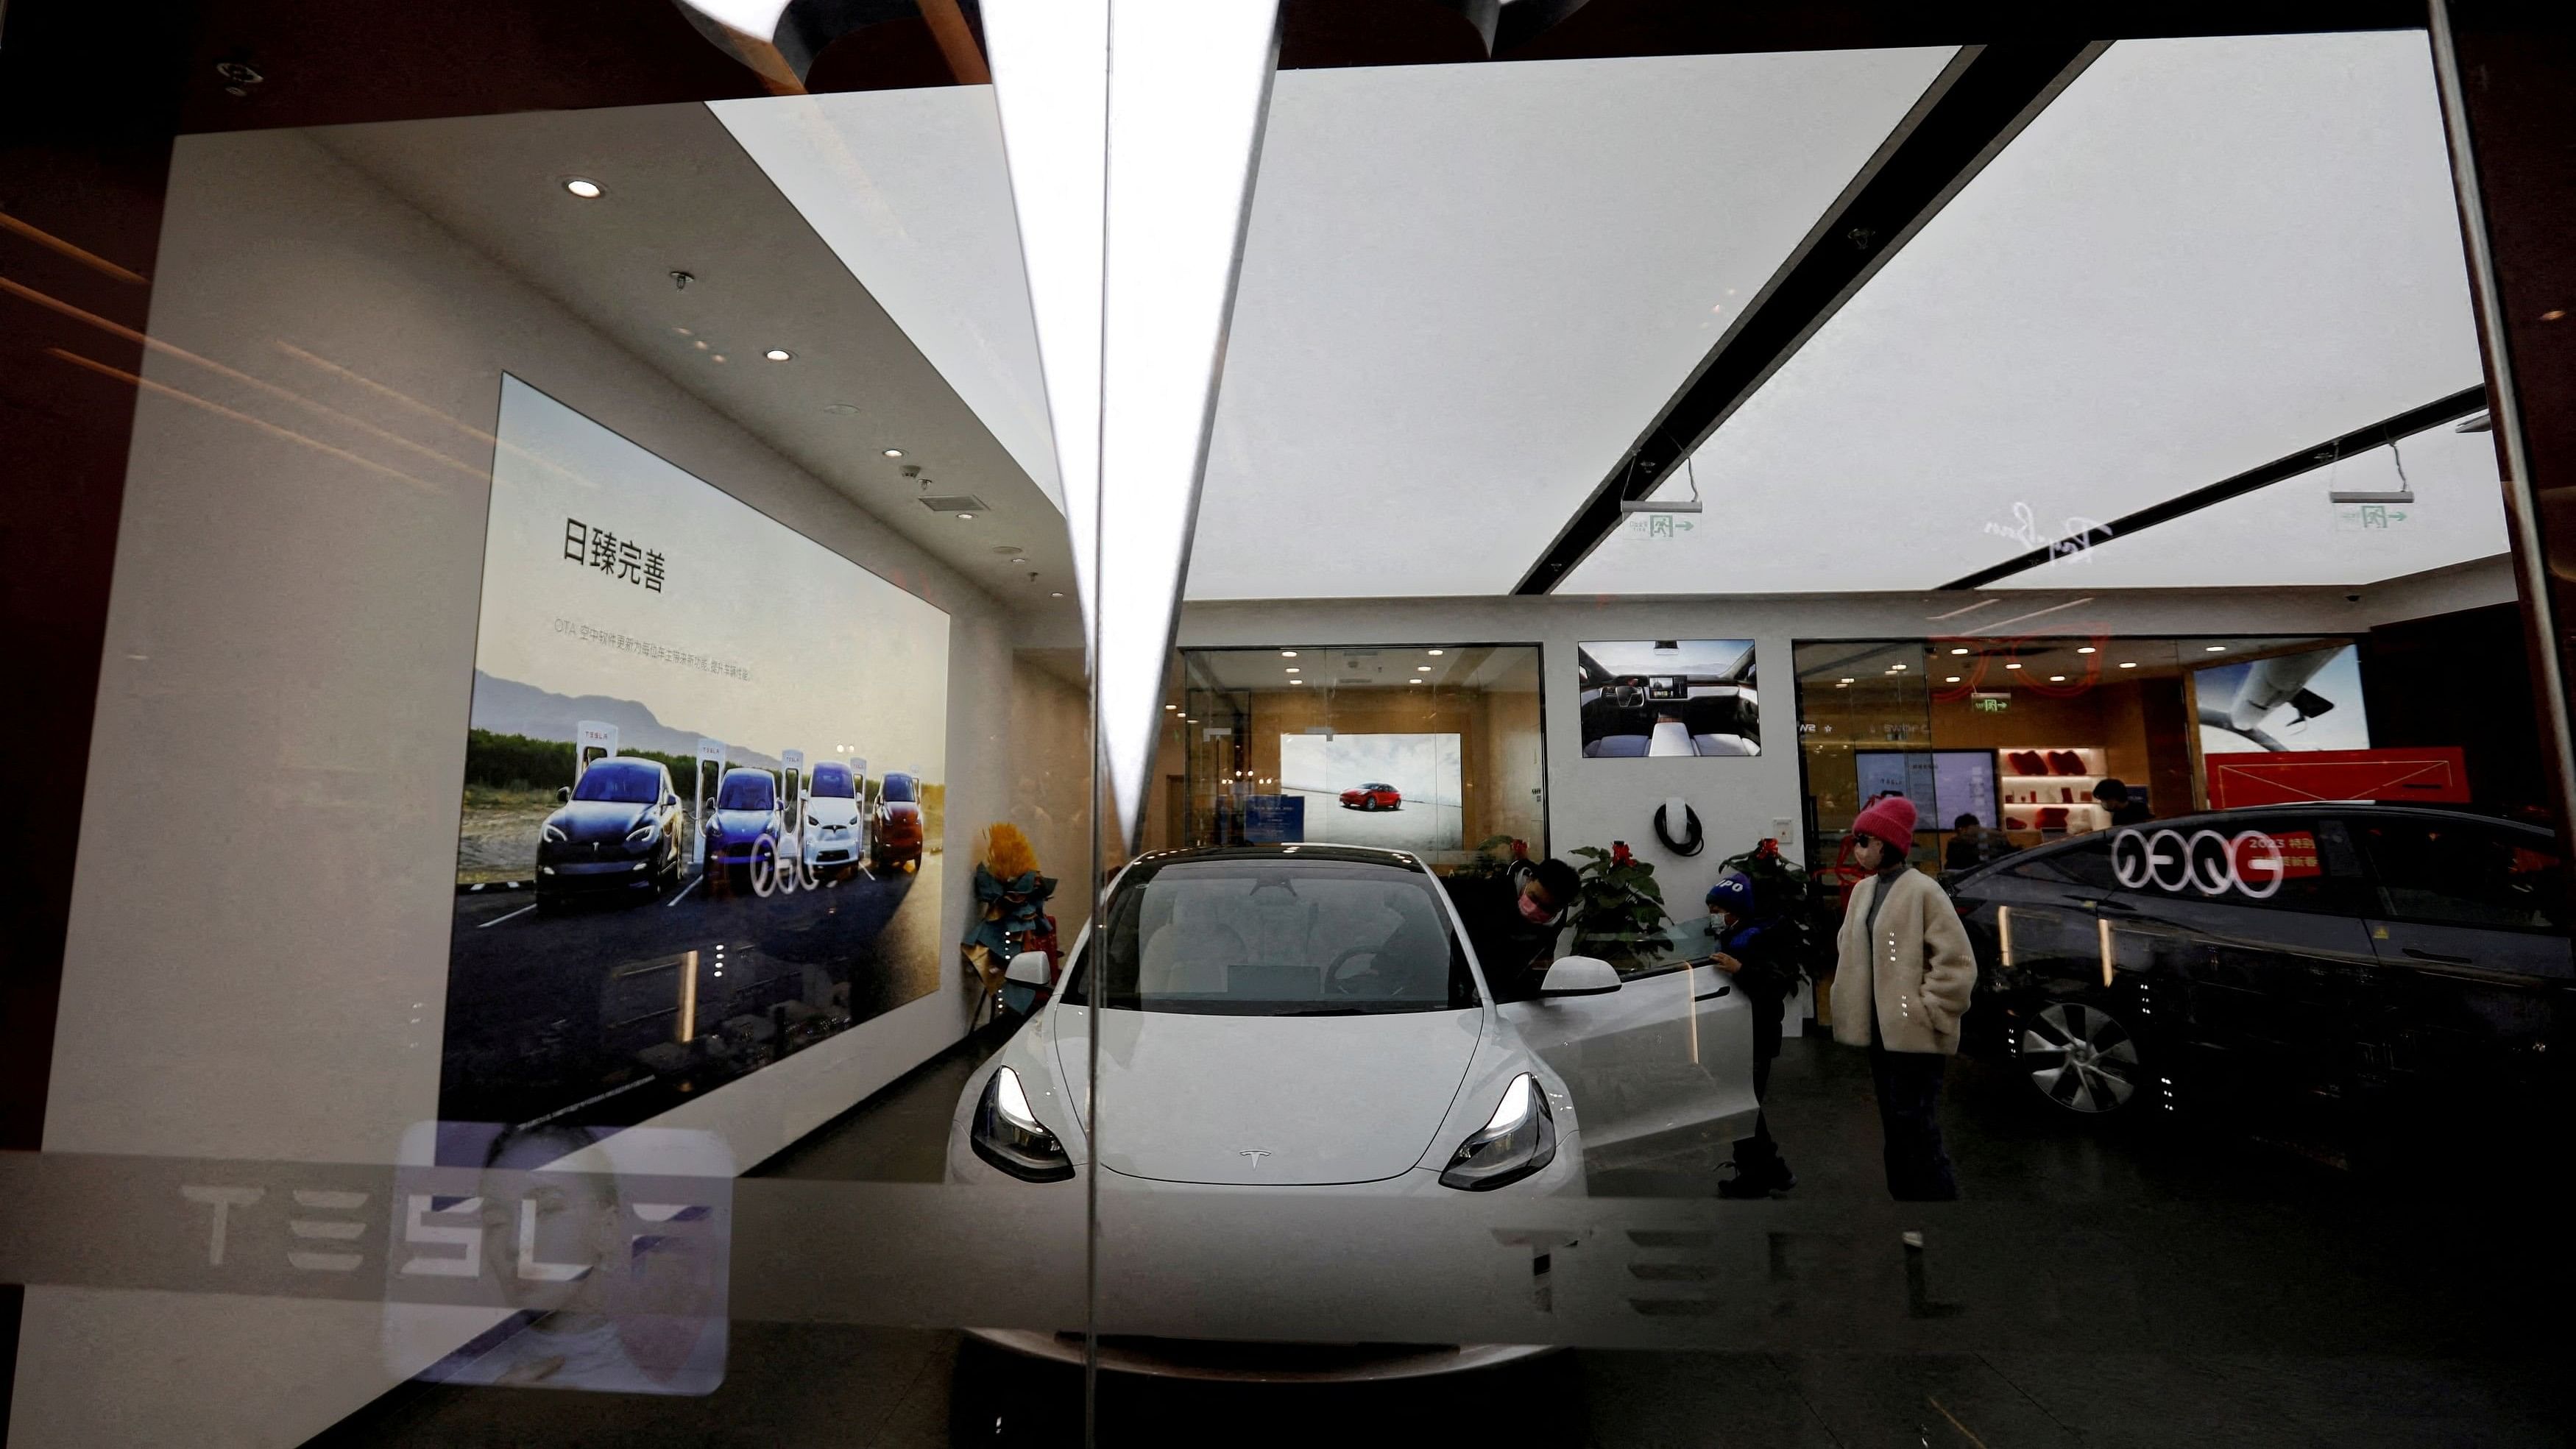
[(1466, 289), (2205, 254), (908, 189), (2290, 534)]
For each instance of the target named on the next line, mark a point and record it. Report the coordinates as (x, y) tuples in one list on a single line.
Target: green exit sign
[(1985, 703)]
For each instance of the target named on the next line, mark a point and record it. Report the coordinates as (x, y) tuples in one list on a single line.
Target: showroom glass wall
[(430, 476)]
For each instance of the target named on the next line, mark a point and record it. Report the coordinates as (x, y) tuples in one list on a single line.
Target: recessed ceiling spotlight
[(778, 354), (1173, 707), (1287, 653), (967, 516), (683, 331), (582, 186), (1296, 681), (1019, 560), (2129, 664), (2057, 679), (1896, 666), (1422, 669), (1846, 681), (1435, 653), (719, 357), (2087, 649), (1950, 679), (1413, 681), (1058, 594), (700, 344), (894, 452), (2012, 666), (1292, 668), (2215, 649), (1958, 651)]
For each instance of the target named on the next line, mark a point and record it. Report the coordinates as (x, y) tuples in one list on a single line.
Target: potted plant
[(1619, 911)]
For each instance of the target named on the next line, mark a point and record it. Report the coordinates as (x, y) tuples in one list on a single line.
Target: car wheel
[(2083, 1057)]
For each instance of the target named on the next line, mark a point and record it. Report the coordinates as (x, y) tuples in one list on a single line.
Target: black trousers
[(1759, 1147), (1909, 1115)]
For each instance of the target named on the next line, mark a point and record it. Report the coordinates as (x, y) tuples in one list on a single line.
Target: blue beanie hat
[(1732, 894)]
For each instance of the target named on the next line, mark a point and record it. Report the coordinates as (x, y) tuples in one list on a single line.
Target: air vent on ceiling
[(953, 503)]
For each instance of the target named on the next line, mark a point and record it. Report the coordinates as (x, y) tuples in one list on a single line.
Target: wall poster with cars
[(1668, 697), (702, 805)]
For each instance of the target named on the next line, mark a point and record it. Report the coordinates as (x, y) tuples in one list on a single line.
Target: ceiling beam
[(2383, 433), (1978, 104)]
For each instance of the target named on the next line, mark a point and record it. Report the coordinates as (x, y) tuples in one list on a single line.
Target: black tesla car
[(2345, 971), (617, 833)]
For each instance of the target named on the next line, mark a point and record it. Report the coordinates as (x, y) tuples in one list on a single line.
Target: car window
[(748, 792), (2284, 864), (898, 787), (2465, 873), (833, 782), (2084, 863), (621, 782), (1283, 937)]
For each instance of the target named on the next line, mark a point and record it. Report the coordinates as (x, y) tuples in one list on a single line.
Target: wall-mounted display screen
[(1400, 791), (704, 778), (2307, 701), (1943, 784), (1668, 697)]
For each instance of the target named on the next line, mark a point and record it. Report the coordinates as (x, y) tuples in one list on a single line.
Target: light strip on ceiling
[(1132, 254)]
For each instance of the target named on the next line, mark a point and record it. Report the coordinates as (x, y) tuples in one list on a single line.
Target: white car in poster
[(1310, 1019), (835, 837)]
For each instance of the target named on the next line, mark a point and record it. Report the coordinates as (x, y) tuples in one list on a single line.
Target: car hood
[(743, 822), (1272, 1101), (586, 820), (832, 809)]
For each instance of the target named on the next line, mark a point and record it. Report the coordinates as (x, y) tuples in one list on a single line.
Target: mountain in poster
[(505, 706)]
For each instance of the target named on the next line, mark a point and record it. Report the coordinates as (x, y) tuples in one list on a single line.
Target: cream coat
[(1925, 968)]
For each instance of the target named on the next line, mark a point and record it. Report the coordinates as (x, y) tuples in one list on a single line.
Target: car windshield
[(748, 791), (832, 782), (1278, 936), (620, 782), (898, 788)]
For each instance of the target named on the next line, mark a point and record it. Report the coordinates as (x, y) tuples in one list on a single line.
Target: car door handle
[(1713, 995), (2438, 956)]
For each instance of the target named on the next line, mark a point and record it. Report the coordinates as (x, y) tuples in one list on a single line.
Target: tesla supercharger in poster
[(654, 662)]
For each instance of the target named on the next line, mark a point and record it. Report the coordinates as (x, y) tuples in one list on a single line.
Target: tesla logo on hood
[(1255, 1153)]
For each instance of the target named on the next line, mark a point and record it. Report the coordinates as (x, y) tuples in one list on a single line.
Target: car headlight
[(1009, 1136), (810, 820), (643, 835), (712, 827), (1519, 1140), (555, 836)]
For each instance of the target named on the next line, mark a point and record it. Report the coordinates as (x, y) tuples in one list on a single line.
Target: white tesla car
[(1283, 1020), (835, 838)]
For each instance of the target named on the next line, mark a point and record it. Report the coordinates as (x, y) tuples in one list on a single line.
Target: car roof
[(1351, 854), (734, 770)]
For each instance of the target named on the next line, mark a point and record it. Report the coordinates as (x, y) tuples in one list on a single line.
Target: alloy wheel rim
[(2081, 1057)]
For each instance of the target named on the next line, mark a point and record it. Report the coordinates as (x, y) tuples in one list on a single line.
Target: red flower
[(1620, 854), (1520, 850)]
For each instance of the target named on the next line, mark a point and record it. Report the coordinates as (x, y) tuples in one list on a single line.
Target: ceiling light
[(1292, 668), (1435, 653), (778, 354), (894, 452), (1846, 681), (1896, 666), (719, 357), (2057, 679), (2129, 664), (683, 331), (1413, 681), (1296, 681), (1958, 651), (2215, 649), (1422, 669), (967, 516), (582, 186), (1950, 679), (700, 344), (2012, 666), (1287, 653), (2087, 649), (1058, 594), (1171, 706)]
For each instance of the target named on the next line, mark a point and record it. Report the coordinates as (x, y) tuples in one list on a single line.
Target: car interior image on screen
[(1657, 697), (665, 880)]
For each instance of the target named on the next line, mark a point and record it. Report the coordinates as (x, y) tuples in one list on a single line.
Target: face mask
[(1533, 912)]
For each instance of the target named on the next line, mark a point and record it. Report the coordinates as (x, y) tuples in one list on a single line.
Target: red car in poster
[(1373, 797)]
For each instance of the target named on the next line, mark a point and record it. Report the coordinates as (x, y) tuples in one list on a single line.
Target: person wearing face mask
[(1758, 950), (1903, 979), (1513, 921)]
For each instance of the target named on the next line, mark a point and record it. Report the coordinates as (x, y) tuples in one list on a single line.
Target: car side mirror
[(563, 794), (1029, 968), (1579, 976)]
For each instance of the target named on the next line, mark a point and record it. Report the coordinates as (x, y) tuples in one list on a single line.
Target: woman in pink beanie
[(1903, 982)]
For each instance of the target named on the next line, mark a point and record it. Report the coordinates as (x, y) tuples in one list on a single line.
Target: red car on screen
[(1373, 797)]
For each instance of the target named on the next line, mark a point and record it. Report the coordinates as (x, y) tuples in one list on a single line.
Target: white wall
[(1739, 801), (258, 948)]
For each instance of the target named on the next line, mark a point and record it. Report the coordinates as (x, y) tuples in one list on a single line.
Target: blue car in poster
[(745, 826), (616, 833)]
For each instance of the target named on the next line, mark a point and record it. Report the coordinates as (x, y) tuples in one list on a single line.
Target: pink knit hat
[(1891, 820)]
